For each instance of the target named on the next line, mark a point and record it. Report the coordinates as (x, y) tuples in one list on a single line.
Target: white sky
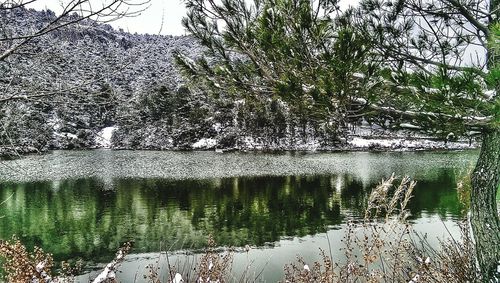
[(150, 21)]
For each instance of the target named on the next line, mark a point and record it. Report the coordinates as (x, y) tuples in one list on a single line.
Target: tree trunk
[(484, 219), (485, 181)]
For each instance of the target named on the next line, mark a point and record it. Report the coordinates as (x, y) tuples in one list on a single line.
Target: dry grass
[(453, 261), (376, 249), (321, 272), (464, 187), (384, 248), (212, 266), (21, 265)]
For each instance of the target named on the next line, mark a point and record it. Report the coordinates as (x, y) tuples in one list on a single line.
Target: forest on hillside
[(70, 84)]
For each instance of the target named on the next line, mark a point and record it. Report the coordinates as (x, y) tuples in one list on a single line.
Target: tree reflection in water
[(90, 217)]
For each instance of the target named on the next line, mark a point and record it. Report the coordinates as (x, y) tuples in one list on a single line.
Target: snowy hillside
[(88, 85)]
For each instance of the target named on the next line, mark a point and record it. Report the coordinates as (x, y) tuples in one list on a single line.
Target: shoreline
[(363, 145)]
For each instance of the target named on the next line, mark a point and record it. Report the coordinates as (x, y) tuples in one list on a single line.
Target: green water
[(84, 204)]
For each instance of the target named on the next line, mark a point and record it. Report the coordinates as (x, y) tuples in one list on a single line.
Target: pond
[(84, 204)]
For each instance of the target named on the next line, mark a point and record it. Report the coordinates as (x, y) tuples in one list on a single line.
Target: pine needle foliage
[(306, 53)]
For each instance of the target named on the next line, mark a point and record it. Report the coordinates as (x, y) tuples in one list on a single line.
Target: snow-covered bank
[(389, 143), (103, 138), (401, 144), (15, 151), (352, 144), (204, 144)]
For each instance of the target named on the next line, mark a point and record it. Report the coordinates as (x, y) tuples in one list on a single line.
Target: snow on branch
[(40, 269), (109, 270), (471, 121)]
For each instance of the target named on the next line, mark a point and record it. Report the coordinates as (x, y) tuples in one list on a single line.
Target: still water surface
[(84, 204)]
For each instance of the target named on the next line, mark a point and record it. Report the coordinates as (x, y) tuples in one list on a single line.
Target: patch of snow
[(412, 89), (490, 94), (358, 75), (65, 135), (204, 143), (360, 100), (431, 90), (409, 126), (479, 118), (39, 267), (177, 278), (307, 88), (406, 144), (103, 138), (414, 279), (71, 136), (365, 143), (217, 127), (472, 133), (54, 122), (239, 102), (311, 145)]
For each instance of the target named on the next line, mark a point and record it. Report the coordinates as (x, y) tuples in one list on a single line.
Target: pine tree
[(406, 60), (297, 50), (444, 54)]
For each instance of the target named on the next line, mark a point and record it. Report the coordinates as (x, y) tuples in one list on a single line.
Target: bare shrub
[(214, 267), (22, 266)]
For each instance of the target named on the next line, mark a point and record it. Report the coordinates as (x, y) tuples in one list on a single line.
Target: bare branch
[(109, 10)]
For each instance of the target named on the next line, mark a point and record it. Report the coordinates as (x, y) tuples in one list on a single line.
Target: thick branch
[(466, 13), (415, 59), (480, 122), (11, 6)]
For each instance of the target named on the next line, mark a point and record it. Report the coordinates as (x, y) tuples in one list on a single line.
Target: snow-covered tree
[(41, 65)]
